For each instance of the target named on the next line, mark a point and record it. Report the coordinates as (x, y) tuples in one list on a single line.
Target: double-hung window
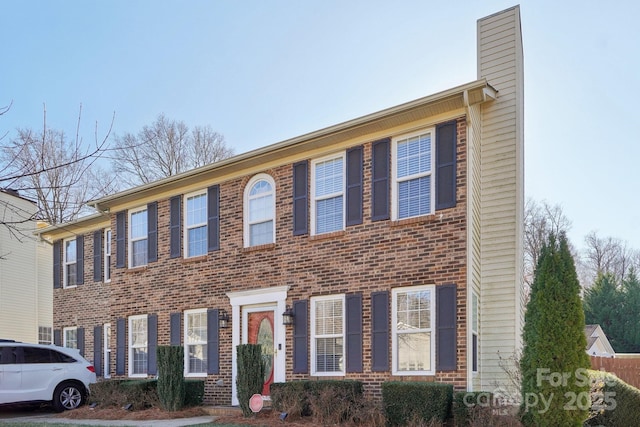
[(413, 333), (195, 342), (195, 212), (45, 335), (327, 335), (70, 263), (138, 237), (259, 211), (413, 186), (107, 255), (327, 188), (138, 346), (70, 337)]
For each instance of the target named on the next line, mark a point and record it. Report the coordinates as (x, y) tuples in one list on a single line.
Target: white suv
[(44, 373)]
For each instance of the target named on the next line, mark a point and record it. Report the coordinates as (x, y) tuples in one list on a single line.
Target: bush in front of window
[(171, 390), (142, 394), (250, 379), (328, 402), (412, 401)]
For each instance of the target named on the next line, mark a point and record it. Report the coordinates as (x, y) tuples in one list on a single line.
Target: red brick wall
[(369, 257)]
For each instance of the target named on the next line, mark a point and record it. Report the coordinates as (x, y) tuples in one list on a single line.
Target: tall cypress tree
[(555, 387)]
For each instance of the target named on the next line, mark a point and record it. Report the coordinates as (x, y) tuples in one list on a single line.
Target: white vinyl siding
[(138, 346), (327, 189), (327, 335), (413, 330), (413, 178), (138, 237), (70, 265), (259, 211), (195, 224), (195, 342)]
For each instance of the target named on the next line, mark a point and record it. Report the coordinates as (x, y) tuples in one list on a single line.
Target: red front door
[(260, 331)]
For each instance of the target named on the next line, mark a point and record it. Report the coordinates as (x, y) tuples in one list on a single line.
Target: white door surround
[(274, 296)]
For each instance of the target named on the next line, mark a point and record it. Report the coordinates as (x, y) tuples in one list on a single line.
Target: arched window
[(259, 211)]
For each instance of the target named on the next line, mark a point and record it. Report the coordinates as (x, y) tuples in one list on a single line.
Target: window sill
[(324, 236), (413, 376), (416, 220), (193, 259), (266, 246), (137, 269), (329, 375)]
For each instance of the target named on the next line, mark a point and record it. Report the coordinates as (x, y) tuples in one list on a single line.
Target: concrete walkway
[(48, 419)]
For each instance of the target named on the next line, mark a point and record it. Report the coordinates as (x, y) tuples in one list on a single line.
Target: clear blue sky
[(260, 72)]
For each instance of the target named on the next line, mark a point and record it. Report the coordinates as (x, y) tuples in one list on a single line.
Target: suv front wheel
[(68, 395)]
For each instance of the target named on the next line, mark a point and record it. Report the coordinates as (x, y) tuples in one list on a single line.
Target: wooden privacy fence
[(624, 366)]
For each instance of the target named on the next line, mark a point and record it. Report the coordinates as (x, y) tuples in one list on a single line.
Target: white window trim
[(394, 171), (186, 344), (394, 329), (106, 264), (64, 335), (131, 347), (314, 371), (106, 350), (186, 227), (131, 240), (45, 330), (65, 278), (246, 221), (342, 193), (475, 326)]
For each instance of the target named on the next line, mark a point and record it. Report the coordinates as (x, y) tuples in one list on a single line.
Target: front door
[(260, 330)]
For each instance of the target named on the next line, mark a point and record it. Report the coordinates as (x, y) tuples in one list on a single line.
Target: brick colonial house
[(391, 243)]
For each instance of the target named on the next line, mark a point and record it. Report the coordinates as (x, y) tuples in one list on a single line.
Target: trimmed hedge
[(298, 397), (142, 394), (170, 384), (406, 402), (250, 378), (614, 402)]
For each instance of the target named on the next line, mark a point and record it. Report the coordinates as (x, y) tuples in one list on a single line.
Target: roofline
[(474, 92)]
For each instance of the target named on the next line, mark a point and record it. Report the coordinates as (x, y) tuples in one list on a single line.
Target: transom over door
[(260, 331)]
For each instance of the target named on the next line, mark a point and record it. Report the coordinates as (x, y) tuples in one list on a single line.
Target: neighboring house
[(597, 342), (26, 294), (384, 248)]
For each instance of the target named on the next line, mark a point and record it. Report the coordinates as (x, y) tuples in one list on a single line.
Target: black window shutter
[(213, 212), (213, 342), (380, 342), (380, 171), (446, 328), (121, 346), (353, 313), (97, 349), (97, 256), (80, 260), (57, 264), (354, 186), (446, 136), (80, 338), (152, 337), (300, 337), (121, 238), (174, 329), (57, 337), (152, 232), (300, 191), (175, 213)]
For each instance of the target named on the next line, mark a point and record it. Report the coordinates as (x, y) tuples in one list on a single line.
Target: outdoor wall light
[(223, 319), (287, 316)]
